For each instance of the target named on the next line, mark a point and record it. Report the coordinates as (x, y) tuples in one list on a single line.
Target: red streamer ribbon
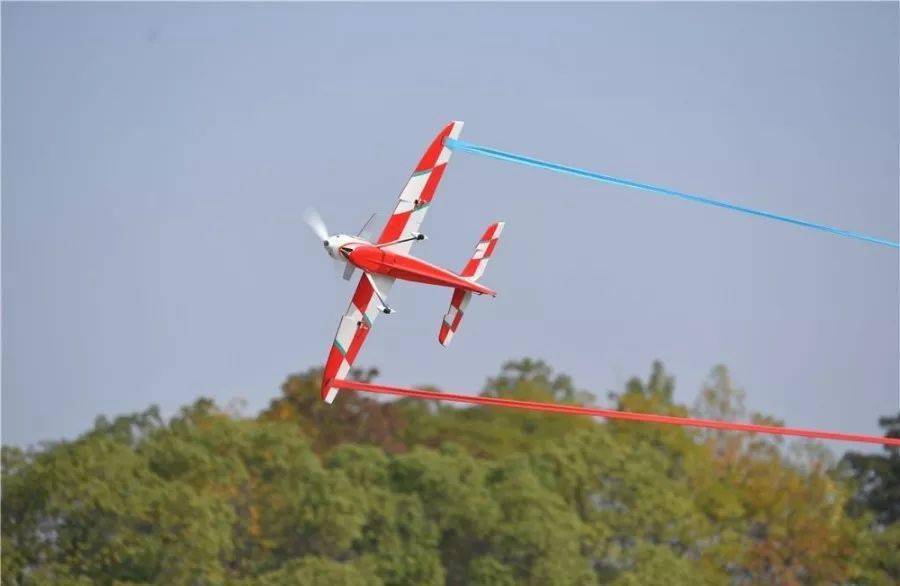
[(615, 414)]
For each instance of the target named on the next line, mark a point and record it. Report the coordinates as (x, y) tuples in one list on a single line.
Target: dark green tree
[(878, 477)]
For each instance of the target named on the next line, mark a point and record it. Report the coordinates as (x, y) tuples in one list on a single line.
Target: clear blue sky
[(157, 159)]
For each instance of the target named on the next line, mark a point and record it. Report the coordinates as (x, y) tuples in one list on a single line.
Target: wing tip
[(452, 131), (328, 392), (445, 335)]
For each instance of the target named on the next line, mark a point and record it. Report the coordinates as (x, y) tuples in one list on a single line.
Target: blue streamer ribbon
[(514, 158)]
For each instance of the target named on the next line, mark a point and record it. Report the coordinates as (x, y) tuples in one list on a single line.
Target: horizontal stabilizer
[(454, 316), (472, 271), (483, 250)]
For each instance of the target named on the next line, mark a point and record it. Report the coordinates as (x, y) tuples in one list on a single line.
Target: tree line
[(367, 492)]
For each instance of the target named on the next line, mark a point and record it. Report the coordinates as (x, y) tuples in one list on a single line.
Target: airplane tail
[(472, 271)]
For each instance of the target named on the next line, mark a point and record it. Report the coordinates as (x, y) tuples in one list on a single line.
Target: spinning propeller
[(316, 224), (320, 229), (333, 242)]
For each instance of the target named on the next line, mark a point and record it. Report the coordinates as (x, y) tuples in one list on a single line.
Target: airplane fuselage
[(373, 259)]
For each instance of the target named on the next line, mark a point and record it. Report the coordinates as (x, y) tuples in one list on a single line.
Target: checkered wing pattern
[(419, 191), (473, 270), (458, 304), (352, 331), (483, 251)]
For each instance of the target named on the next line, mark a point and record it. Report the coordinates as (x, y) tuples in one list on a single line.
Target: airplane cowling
[(368, 258)]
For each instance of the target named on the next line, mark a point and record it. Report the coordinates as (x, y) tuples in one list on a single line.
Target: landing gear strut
[(382, 304)]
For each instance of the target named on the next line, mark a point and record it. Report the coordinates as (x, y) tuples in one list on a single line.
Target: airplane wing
[(352, 331), (416, 196), (406, 219)]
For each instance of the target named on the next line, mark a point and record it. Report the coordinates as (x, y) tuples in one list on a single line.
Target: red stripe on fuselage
[(408, 268)]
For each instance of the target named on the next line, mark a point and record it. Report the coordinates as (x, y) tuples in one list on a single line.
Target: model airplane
[(388, 259)]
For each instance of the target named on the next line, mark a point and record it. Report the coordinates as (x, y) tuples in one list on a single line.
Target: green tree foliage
[(877, 502), (364, 492), (878, 476)]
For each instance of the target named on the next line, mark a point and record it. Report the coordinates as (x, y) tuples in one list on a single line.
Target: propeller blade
[(316, 224)]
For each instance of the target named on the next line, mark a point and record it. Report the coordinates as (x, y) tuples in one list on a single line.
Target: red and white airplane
[(388, 259)]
